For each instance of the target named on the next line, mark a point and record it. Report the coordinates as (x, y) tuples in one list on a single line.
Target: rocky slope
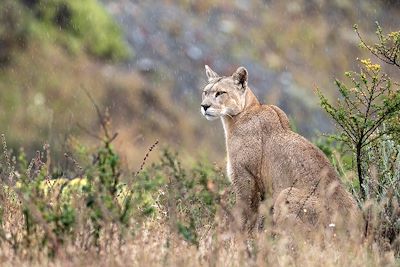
[(289, 47)]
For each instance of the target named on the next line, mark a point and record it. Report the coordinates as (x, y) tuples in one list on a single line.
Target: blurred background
[(144, 60)]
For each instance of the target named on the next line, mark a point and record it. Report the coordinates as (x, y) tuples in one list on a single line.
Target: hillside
[(152, 90), (289, 47)]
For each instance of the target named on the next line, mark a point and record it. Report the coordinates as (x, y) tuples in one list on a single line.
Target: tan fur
[(268, 160)]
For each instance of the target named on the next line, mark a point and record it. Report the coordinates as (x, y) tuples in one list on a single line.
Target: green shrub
[(368, 116), (54, 212), (185, 198), (88, 22), (365, 106), (74, 24)]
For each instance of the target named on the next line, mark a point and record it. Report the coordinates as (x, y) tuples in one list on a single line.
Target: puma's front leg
[(247, 197)]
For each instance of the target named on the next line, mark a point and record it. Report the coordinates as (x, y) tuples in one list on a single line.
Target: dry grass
[(157, 244), (192, 223)]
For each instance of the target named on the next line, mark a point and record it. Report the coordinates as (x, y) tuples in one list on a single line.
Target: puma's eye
[(217, 94)]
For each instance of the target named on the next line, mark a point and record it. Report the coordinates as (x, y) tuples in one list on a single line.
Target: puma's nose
[(205, 107)]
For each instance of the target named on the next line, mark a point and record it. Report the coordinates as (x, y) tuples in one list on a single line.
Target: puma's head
[(224, 96)]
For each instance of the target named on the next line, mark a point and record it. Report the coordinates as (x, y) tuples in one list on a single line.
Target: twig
[(103, 123), (310, 194), (135, 174), (145, 158), (89, 132), (290, 189), (76, 164), (10, 169), (386, 58), (29, 169)]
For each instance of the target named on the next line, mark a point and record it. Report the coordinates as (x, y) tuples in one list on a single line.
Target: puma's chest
[(229, 170)]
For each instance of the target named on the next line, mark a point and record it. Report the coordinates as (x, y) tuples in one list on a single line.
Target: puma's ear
[(240, 77), (210, 73)]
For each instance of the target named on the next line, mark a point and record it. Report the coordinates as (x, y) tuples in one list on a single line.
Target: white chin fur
[(211, 118)]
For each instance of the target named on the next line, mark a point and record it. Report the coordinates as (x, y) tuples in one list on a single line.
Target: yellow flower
[(369, 66), (394, 35)]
